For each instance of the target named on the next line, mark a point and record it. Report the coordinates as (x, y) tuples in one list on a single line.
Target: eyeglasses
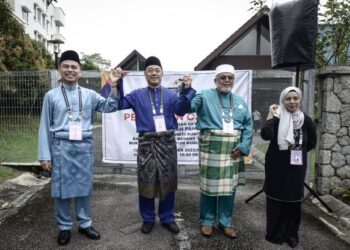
[(224, 77), (151, 70), (66, 66)]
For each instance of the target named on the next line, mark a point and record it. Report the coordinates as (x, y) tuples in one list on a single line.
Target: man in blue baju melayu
[(66, 146), (155, 108)]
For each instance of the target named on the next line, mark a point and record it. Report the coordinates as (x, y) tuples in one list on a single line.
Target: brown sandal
[(206, 231)]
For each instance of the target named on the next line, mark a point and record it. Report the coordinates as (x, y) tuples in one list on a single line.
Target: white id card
[(296, 157), (75, 131), (159, 123), (227, 127)]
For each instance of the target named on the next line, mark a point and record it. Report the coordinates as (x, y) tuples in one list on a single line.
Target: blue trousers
[(216, 206), (82, 211), (165, 209)]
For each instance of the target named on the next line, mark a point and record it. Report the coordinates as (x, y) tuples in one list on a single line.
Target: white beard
[(224, 90)]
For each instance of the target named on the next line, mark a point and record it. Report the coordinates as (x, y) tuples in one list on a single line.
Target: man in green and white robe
[(226, 127)]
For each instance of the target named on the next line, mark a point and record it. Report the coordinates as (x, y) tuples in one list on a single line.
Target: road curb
[(15, 193)]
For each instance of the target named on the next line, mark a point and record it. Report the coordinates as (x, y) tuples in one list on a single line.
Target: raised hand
[(186, 81), (116, 75), (272, 110)]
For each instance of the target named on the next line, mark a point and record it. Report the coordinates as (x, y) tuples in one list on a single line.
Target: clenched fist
[(46, 165)]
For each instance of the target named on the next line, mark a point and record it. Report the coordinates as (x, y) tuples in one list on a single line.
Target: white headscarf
[(288, 121)]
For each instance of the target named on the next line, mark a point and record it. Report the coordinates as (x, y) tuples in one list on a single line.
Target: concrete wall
[(333, 168)]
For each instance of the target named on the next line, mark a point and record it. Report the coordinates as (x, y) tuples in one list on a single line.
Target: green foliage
[(9, 25), (94, 62), (19, 139), (345, 197), (334, 34), (257, 5), (17, 50), (8, 173)]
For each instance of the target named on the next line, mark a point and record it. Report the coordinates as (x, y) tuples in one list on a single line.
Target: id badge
[(227, 126), (296, 157), (159, 123), (75, 131)]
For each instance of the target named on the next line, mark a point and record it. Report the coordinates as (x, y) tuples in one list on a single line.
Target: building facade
[(249, 48), (246, 48), (133, 62), (41, 19)]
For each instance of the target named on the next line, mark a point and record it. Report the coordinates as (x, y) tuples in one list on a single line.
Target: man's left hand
[(236, 153)]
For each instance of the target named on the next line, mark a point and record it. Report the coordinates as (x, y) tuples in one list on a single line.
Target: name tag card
[(227, 126), (296, 157), (159, 123), (75, 131)]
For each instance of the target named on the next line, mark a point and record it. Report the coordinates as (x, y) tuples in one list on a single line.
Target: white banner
[(119, 137)]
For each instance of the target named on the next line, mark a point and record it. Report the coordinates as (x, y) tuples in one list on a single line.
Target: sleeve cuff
[(242, 149), (188, 93)]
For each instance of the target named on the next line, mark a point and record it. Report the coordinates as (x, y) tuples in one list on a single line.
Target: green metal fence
[(21, 96)]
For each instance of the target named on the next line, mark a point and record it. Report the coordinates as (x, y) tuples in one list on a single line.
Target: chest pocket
[(87, 111), (238, 114)]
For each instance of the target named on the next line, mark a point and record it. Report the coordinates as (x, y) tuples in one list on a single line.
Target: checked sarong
[(219, 173)]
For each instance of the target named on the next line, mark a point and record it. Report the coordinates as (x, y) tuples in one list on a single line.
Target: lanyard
[(161, 102), (222, 107), (300, 138), (298, 144), (69, 110)]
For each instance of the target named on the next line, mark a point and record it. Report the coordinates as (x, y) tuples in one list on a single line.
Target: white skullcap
[(224, 68)]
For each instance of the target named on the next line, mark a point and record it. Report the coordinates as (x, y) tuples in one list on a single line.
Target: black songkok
[(70, 55), (152, 60)]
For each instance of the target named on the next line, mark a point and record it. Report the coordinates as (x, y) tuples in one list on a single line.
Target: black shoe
[(63, 237), (172, 227), (90, 232), (147, 227), (292, 242)]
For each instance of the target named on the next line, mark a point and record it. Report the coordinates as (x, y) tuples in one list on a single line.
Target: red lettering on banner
[(187, 117), (129, 116), (181, 118)]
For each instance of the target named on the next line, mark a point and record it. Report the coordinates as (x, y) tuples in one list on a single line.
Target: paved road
[(115, 213)]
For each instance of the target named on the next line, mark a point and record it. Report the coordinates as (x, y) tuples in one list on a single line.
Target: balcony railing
[(57, 38), (59, 16)]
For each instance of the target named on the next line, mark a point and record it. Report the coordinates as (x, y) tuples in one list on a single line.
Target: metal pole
[(318, 198), (297, 77), (56, 59), (254, 195)]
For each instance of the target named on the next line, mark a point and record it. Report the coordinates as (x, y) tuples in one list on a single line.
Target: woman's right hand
[(272, 110)]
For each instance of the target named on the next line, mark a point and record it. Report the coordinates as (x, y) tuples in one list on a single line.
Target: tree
[(94, 62), (17, 50), (334, 34), (257, 5)]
